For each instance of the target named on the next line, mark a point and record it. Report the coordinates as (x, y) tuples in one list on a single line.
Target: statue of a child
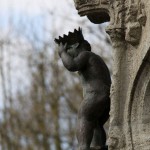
[(76, 55)]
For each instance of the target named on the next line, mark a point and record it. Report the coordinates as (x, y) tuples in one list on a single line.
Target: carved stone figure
[(76, 55), (96, 10)]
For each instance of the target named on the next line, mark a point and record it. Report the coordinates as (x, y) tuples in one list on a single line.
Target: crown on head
[(71, 38)]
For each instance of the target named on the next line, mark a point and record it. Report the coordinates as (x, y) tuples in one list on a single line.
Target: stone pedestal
[(129, 30)]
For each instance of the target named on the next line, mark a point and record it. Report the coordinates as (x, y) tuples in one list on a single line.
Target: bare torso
[(95, 75)]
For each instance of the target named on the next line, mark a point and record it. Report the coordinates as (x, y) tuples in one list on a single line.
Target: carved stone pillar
[(129, 30)]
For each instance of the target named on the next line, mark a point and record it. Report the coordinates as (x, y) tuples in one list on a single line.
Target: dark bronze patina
[(76, 55)]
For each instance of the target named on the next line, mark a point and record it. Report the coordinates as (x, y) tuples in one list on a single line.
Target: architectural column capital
[(130, 90), (127, 17)]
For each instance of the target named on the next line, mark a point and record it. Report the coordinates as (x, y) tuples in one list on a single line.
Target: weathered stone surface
[(130, 91), (96, 10)]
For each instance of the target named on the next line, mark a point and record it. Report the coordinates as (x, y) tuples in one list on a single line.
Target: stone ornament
[(127, 16), (130, 102), (135, 20), (92, 7)]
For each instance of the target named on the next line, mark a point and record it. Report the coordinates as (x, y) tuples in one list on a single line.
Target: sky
[(35, 11), (32, 7), (28, 11), (32, 10)]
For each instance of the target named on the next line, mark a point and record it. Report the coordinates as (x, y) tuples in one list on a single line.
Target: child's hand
[(62, 48)]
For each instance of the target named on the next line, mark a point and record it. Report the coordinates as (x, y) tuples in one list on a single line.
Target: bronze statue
[(76, 55)]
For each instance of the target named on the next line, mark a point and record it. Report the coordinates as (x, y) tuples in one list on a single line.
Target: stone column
[(129, 30)]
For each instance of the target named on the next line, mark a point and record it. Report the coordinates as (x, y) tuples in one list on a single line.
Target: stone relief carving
[(139, 120), (116, 139), (127, 16), (96, 10), (135, 20), (129, 31)]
